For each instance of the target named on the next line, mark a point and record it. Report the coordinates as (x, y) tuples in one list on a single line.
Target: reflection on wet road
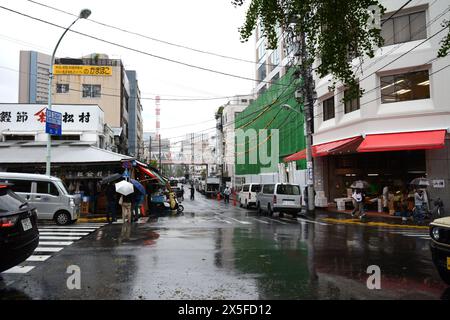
[(217, 251)]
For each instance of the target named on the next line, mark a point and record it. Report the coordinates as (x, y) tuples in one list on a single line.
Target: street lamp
[(84, 14)]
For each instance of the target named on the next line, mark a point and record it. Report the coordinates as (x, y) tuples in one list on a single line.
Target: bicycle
[(438, 210)]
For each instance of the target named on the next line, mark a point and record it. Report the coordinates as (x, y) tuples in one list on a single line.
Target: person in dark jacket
[(111, 198)]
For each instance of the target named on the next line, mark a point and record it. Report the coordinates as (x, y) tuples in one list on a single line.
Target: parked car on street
[(440, 247), (279, 197), (19, 235), (247, 194), (47, 194)]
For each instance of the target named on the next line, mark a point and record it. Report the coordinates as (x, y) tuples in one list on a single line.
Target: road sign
[(53, 123)]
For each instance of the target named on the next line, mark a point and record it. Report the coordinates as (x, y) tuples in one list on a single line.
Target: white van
[(247, 195), (279, 197), (47, 194)]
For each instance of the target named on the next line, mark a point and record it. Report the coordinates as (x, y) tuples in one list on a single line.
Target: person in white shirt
[(358, 203)]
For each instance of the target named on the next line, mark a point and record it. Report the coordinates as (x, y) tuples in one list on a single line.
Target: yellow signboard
[(82, 70)]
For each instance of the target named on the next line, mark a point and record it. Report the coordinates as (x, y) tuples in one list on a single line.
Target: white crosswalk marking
[(48, 249), (59, 238), (62, 236), (55, 243), (262, 221), (63, 233), (19, 269), (222, 220), (37, 258)]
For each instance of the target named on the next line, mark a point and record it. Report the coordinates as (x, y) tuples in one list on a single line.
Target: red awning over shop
[(323, 149), (403, 141)]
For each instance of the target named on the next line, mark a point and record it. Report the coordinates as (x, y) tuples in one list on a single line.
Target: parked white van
[(47, 194), (279, 197), (247, 194)]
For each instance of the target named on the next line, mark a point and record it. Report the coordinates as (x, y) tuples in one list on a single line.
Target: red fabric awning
[(147, 172), (322, 149), (403, 141)]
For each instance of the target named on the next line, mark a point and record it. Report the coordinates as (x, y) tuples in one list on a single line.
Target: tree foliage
[(335, 30), (445, 48)]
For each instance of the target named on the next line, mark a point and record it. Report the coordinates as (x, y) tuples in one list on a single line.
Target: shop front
[(388, 162)]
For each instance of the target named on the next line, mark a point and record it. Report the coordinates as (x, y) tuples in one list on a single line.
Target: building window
[(14, 137), (404, 28), (350, 105), (66, 137), (92, 91), (262, 72), (261, 51), (328, 109), (62, 87), (407, 86)]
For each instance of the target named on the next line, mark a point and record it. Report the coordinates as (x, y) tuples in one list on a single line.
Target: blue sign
[(53, 121)]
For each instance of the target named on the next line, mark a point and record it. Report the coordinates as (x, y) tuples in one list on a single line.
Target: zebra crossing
[(53, 239), (424, 235)]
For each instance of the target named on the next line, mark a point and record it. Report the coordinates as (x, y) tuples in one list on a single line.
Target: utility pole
[(308, 94), (159, 138), (150, 149)]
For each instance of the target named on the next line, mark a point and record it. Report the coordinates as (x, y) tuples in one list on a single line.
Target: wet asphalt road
[(218, 251)]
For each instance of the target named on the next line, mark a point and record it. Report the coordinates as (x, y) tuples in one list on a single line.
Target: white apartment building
[(399, 129)]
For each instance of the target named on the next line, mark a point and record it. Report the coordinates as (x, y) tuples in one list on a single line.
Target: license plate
[(26, 224), (288, 202), (448, 263)]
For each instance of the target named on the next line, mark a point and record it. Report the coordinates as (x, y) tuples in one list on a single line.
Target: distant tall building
[(93, 79), (33, 77)]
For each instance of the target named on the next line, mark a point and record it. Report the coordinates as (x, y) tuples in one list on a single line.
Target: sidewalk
[(371, 216)]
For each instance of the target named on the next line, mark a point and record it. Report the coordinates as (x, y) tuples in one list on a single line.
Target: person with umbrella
[(358, 198), (111, 198), (126, 189), (139, 193)]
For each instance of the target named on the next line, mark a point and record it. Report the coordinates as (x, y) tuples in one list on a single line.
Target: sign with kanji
[(53, 120), (82, 70)]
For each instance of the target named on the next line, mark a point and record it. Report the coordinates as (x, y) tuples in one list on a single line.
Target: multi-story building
[(93, 79), (399, 128), (226, 116), (151, 152), (136, 129)]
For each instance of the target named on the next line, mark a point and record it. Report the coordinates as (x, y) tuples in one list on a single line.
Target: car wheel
[(445, 275), (295, 215), (281, 214), (240, 203), (62, 218), (246, 204), (269, 211), (180, 208)]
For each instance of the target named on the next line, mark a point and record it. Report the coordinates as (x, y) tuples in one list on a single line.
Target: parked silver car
[(279, 197), (45, 193)]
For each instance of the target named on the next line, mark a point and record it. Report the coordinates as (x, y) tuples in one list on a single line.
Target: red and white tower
[(158, 113)]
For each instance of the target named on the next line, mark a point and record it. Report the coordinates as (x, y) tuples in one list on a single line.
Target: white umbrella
[(124, 187)]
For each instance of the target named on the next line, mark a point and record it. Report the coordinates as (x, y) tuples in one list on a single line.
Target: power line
[(398, 10), (148, 37), (136, 50)]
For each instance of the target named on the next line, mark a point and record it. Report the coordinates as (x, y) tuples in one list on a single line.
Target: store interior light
[(425, 83), (392, 84), (373, 174), (402, 91)]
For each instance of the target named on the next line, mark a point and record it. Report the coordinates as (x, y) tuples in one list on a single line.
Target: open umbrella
[(422, 182), (111, 178), (124, 187), (138, 186), (360, 184)]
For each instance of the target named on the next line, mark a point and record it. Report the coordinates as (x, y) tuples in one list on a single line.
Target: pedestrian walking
[(358, 203), (111, 198), (419, 206), (226, 194), (125, 202), (192, 191), (182, 193), (137, 203)]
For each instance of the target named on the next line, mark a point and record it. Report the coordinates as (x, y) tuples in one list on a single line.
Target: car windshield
[(9, 201), (288, 189), (62, 186)]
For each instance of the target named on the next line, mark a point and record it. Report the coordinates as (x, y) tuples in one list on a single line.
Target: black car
[(19, 235), (440, 247)]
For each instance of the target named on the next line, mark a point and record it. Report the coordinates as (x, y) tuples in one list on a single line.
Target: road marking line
[(277, 221), (288, 220), (19, 269), (37, 258), (62, 234), (48, 249), (413, 235), (55, 243), (425, 238), (312, 221), (243, 222), (59, 238), (222, 220), (262, 221), (68, 230)]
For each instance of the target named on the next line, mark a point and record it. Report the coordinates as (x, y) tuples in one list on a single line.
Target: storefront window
[(404, 87)]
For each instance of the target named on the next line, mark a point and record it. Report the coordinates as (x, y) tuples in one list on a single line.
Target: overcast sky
[(209, 25)]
